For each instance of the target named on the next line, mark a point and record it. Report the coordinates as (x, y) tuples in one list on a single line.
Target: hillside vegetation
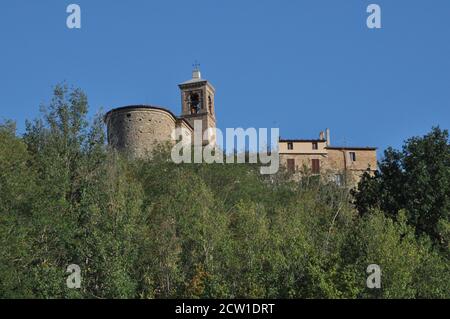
[(153, 229)]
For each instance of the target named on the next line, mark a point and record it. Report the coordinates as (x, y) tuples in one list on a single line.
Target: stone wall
[(333, 161), (365, 158), (136, 130), (304, 160)]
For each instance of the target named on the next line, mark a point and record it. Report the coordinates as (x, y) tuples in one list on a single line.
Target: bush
[(153, 229)]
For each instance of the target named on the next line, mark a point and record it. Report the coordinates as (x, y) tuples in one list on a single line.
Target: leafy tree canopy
[(153, 229)]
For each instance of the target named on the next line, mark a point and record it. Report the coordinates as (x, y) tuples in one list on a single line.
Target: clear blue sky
[(301, 65)]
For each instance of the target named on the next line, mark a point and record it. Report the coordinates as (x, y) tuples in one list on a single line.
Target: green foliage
[(416, 179), (153, 229)]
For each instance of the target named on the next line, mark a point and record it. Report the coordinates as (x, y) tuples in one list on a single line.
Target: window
[(353, 156), (315, 146), (315, 163), (210, 104), (291, 165), (290, 146), (194, 101)]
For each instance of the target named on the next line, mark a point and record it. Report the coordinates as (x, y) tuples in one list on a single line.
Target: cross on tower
[(196, 65)]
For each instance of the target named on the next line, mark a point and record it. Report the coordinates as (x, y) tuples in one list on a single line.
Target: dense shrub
[(153, 229)]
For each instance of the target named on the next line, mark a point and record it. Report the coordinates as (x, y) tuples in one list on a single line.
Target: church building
[(137, 129)]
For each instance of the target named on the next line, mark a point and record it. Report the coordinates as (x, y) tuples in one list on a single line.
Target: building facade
[(344, 165), (137, 129)]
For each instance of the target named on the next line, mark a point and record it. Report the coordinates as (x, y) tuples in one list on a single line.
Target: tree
[(416, 179), (153, 229), (17, 188)]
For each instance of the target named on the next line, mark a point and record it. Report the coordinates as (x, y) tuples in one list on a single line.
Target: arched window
[(210, 104), (194, 100)]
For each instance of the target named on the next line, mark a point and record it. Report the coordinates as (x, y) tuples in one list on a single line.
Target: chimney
[(328, 137), (322, 135)]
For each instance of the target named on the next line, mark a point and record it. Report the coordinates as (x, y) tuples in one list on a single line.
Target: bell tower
[(197, 103)]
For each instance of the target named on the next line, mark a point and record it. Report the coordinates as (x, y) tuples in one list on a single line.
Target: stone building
[(344, 165), (137, 129)]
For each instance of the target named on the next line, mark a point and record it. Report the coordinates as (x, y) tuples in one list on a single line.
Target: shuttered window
[(291, 165), (315, 166)]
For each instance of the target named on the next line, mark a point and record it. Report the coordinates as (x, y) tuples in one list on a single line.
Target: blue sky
[(300, 65)]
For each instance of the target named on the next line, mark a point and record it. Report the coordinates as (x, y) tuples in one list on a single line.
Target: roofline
[(192, 81), (298, 140), (356, 148), (185, 122), (322, 153), (147, 107), (201, 82)]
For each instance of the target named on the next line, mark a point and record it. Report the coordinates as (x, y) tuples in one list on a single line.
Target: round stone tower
[(137, 129)]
